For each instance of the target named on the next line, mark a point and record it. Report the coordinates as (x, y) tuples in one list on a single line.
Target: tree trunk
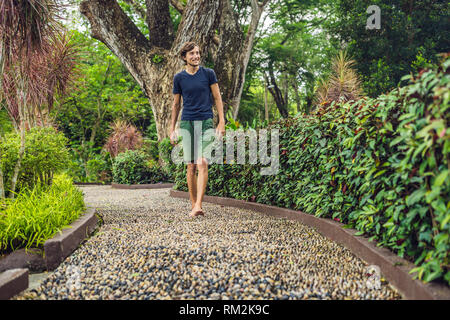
[(266, 106), (244, 57), (153, 62), (277, 94), (298, 101), (19, 160), (2, 185), (100, 115)]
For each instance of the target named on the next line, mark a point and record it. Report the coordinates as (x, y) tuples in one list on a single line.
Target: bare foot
[(196, 211)]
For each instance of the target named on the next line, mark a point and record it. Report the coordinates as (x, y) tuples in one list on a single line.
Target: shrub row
[(45, 154), (380, 166), (136, 167)]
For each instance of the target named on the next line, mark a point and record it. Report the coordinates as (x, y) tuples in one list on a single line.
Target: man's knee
[(202, 163)]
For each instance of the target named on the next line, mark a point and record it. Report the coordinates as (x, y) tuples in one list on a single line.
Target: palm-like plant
[(24, 25), (342, 85), (36, 61)]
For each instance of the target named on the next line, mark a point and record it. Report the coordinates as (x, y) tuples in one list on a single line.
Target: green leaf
[(441, 178), (379, 173), (396, 141), (415, 197), (436, 124), (433, 194), (445, 221), (388, 126), (432, 276)]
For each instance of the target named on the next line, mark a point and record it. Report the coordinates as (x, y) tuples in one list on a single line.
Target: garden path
[(149, 248)]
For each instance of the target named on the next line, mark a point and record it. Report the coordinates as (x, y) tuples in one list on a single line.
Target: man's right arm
[(175, 112)]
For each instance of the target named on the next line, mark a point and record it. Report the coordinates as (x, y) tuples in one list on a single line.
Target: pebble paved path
[(148, 248)]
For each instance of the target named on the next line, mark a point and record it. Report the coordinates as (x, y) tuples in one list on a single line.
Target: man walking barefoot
[(196, 85)]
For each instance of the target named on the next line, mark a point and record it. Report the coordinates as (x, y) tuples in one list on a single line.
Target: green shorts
[(197, 139)]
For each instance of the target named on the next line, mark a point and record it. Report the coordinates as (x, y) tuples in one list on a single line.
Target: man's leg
[(192, 182), (201, 142), (187, 133), (202, 166)]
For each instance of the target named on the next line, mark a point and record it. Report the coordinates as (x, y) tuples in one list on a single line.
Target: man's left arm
[(219, 105)]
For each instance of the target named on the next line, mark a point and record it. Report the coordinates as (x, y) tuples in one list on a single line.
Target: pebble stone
[(149, 248)]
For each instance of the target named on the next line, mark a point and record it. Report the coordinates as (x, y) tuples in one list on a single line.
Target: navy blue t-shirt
[(196, 92)]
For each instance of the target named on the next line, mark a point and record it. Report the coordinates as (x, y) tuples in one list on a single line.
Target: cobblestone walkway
[(148, 248)]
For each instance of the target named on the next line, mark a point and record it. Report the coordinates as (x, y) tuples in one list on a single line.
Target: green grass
[(37, 215)]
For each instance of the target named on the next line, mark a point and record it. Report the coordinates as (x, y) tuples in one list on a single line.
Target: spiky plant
[(343, 83), (123, 137), (24, 25)]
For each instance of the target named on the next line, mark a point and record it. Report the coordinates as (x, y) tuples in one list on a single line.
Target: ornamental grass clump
[(123, 137), (36, 215)]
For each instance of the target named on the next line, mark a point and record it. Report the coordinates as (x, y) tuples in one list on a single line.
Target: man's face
[(193, 57)]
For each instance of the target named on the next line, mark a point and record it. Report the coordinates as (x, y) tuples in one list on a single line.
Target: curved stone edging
[(62, 245), (142, 186), (394, 268), (92, 184), (56, 249)]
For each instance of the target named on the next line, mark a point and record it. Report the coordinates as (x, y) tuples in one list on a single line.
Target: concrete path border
[(92, 184), (62, 245), (13, 282), (394, 268), (142, 186), (14, 279)]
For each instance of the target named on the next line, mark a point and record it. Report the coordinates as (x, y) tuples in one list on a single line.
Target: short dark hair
[(188, 46)]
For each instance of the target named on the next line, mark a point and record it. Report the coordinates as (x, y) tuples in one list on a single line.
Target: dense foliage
[(37, 214), (411, 34), (45, 155), (135, 167), (103, 93), (380, 166)]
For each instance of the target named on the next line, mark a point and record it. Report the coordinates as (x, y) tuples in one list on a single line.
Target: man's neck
[(192, 69)]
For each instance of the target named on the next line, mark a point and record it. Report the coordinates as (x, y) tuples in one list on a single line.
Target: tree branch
[(177, 5), (138, 9), (159, 23), (114, 28)]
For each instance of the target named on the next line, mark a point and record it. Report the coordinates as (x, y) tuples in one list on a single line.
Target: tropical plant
[(342, 85), (45, 155), (36, 62), (123, 137), (135, 167), (407, 29)]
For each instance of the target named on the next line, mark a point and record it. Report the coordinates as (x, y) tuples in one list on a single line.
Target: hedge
[(380, 166), (136, 167)]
